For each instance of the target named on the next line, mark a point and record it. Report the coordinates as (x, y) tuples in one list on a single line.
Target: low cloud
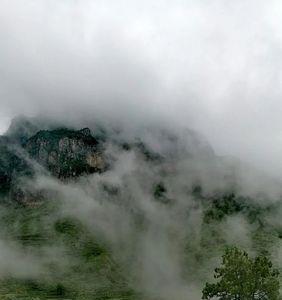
[(214, 67)]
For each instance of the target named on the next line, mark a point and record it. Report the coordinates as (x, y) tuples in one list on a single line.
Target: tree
[(243, 278)]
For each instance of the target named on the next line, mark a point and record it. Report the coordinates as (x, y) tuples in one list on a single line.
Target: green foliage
[(243, 278), (160, 190), (82, 269), (220, 206), (12, 166), (68, 226)]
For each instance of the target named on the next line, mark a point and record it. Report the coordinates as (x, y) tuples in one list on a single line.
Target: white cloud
[(215, 66)]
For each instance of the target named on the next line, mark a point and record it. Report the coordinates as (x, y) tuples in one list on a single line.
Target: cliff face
[(66, 153), (31, 146)]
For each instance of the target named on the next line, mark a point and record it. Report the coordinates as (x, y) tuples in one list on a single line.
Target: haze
[(214, 66)]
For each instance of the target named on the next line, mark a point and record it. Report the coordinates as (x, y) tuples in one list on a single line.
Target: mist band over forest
[(140, 149)]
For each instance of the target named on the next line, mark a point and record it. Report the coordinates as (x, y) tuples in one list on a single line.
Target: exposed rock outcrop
[(66, 153), (62, 152)]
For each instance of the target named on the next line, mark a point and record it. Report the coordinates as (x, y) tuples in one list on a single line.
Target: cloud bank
[(212, 66)]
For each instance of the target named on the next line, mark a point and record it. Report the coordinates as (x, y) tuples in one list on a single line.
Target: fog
[(165, 247), (210, 66), (213, 66)]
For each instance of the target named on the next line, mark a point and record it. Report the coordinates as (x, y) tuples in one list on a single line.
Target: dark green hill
[(12, 165)]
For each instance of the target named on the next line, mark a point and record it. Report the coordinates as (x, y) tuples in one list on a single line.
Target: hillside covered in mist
[(103, 212)]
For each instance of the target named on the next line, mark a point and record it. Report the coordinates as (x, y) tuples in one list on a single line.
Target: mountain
[(111, 213), (64, 153), (67, 153), (12, 165)]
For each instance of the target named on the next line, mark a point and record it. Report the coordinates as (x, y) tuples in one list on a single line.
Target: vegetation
[(80, 266), (84, 266), (243, 278)]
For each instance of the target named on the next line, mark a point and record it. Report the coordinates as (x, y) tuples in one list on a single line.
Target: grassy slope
[(83, 267), (83, 270)]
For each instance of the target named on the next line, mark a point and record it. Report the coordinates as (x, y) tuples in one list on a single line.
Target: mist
[(164, 244), (198, 82), (213, 67)]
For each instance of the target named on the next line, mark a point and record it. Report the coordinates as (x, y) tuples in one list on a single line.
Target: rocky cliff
[(64, 153), (31, 146)]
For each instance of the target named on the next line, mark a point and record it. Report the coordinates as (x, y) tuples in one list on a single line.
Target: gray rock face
[(66, 153)]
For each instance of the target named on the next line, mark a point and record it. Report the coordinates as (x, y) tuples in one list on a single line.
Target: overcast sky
[(211, 65)]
